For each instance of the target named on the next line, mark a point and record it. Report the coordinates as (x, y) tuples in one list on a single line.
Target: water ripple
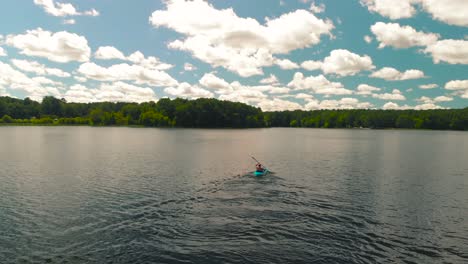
[(333, 208)]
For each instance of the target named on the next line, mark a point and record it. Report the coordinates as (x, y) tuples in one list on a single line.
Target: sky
[(272, 54)]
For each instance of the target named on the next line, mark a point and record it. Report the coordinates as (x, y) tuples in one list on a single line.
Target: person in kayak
[(259, 167)]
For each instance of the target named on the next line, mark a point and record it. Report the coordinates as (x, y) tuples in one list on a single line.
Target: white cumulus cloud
[(368, 39), (443, 98), (185, 90), (110, 92), (391, 106), (464, 94), (319, 84), (438, 99), (63, 9), (317, 8), (391, 8), (341, 62), (343, 103), (457, 85), (35, 88), (394, 35), (365, 89), (391, 74), (450, 50), (60, 47), (10, 76), (277, 104), (3, 92), (211, 81), (304, 96), (395, 95), (236, 91), (109, 53), (244, 95), (242, 45), (126, 72), (272, 79), (428, 86), (286, 64), (344, 62), (279, 90), (40, 69), (452, 12), (79, 94), (425, 99), (311, 65), (427, 106), (151, 62), (189, 67)]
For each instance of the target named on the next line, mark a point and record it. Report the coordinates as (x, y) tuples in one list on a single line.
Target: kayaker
[(259, 167)]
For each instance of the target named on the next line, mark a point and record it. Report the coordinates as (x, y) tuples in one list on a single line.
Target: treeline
[(204, 113), (453, 119), (213, 113)]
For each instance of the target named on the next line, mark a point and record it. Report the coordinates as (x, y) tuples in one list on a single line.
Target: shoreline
[(221, 128)]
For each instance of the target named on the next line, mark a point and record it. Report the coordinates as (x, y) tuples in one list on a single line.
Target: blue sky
[(277, 55)]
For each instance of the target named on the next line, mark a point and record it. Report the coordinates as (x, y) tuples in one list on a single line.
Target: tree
[(460, 120), (133, 112), (154, 119), (108, 119), (96, 116), (3, 107), (6, 119), (167, 107), (184, 116), (51, 106), (120, 119), (404, 121)]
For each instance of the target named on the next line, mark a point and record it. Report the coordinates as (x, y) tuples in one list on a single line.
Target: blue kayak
[(261, 173)]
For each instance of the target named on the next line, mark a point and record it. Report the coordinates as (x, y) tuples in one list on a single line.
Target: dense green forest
[(213, 113), (205, 113), (455, 119)]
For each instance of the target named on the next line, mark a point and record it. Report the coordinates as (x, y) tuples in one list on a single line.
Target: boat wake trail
[(235, 219)]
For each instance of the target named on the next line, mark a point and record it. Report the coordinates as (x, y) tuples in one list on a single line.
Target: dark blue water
[(123, 195)]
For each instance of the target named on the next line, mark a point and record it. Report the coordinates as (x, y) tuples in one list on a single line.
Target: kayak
[(261, 173)]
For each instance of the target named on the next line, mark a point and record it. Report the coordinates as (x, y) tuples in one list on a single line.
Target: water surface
[(127, 195)]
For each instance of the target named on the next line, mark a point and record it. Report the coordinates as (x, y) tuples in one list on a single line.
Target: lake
[(137, 195)]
